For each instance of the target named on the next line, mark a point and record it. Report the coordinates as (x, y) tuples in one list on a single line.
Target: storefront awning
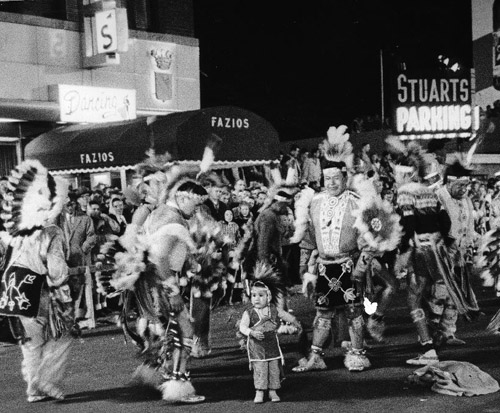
[(247, 139)]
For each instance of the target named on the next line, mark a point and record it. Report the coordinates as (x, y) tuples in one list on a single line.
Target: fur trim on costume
[(356, 361), (309, 279), (287, 329), (147, 376), (302, 214), (176, 390)]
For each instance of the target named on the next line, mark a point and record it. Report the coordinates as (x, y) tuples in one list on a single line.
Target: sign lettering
[(107, 38), (427, 105), (229, 123), (93, 104), (96, 157)]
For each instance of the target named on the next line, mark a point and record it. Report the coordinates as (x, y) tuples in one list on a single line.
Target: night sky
[(305, 66)]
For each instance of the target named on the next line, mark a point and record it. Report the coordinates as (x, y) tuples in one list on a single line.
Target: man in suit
[(79, 237), (215, 205)]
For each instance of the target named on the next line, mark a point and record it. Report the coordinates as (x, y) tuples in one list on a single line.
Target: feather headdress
[(376, 221), (37, 198), (336, 149), (277, 187), (265, 276), (411, 159)]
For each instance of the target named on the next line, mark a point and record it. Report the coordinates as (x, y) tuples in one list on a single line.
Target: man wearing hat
[(82, 198), (338, 272), (452, 195)]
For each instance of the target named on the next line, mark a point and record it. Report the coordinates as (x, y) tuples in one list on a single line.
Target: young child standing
[(260, 325)]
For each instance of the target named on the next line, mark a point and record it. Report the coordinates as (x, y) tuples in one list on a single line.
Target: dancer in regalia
[(344, 254), (159, 260), (424, 250), (453, 197), (34, 293)]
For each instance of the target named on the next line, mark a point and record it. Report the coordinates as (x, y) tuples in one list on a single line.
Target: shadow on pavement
[(126, 394)]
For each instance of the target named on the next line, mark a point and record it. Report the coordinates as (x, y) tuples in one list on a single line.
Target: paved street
[(101, 366)]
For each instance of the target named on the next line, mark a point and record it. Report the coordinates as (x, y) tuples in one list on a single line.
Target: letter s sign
[(106, 31)]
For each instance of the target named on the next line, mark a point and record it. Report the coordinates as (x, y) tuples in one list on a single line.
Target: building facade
[(43, 55)]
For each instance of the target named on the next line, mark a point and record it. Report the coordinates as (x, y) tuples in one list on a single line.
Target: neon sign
[(435, 118), (427, 106)]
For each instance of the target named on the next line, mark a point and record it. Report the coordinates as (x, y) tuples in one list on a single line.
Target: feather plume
[(336, 147), (302, 214), (275, 174), (376, 221), (396, 146), (208, 159), (209, 153), (59, 199)]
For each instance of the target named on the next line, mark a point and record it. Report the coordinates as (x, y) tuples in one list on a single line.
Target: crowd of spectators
[(235, 199)]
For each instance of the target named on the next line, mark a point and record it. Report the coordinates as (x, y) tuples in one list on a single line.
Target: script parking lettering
[(96, 157), (229, 123)]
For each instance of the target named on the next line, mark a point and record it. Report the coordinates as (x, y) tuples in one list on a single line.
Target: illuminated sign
[(95, 104), (433, 106)]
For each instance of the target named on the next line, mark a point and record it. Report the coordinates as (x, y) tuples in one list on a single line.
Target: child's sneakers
[(259, 397), (274, 396)]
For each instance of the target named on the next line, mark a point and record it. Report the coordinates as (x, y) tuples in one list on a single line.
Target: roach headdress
[(265, 276)]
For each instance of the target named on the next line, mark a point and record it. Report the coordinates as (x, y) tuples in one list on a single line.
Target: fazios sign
[(433, 106)]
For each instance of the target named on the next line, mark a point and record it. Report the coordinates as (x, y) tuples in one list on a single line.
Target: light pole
[(382, 110)]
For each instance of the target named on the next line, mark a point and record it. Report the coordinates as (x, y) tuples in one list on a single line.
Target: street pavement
[(101, 364)]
